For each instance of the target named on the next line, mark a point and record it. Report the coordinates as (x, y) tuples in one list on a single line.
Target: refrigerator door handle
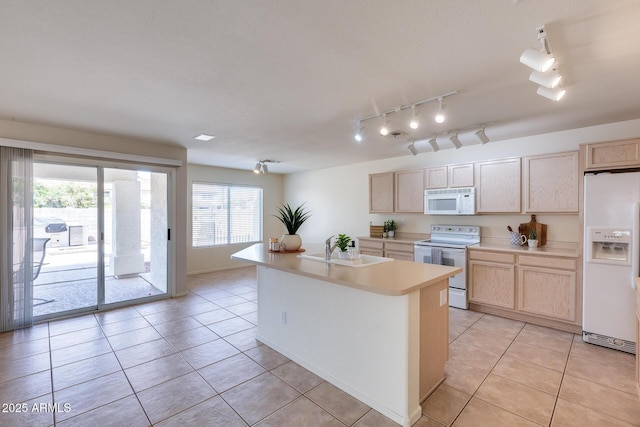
[(635, 242)]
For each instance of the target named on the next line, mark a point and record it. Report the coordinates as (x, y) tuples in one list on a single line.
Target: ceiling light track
[(415, 119)]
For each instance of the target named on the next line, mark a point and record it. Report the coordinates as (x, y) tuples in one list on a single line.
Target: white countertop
[(388, 278)]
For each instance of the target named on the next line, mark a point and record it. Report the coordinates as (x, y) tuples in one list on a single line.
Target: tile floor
[(195, 361)]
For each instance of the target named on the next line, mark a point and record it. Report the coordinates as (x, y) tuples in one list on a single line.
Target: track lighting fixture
[(261, 166), (553, 94), (541, 61), (434, 144), (415, 122), (455, 141), (549, 79), (384, 130), (439, 117), (415, 118), (482, 136), (412, 148)]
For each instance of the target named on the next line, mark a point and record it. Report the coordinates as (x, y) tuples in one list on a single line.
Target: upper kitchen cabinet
[(498, 186), (612, 155), (409, 191), (551, 183), (451, 176), (381, 192)]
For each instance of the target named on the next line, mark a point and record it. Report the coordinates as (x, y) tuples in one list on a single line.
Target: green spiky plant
[(292, 219)]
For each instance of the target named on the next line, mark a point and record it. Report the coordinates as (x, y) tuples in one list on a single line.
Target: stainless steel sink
[(361, 261)]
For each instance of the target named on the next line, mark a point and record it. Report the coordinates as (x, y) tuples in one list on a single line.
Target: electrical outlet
[(283, 317), (402, 222), (443, 297)]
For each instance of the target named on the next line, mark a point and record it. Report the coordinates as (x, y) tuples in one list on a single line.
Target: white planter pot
[(290, 242), (391, 233), (533, 244), (343, 255)]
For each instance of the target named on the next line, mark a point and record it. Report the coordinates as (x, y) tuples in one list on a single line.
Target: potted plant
[(292, 220), (390, 227), (533, 238), (342, 242)]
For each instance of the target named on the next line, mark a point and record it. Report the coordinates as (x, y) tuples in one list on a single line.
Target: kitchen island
[(378, 332)]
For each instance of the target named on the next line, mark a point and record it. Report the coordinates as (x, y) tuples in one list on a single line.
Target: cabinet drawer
[(370, 244), (548, 262), (398, 247), (492, 257), (406, 256)]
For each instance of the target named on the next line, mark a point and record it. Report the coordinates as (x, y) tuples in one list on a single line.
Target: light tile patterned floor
[(194, 361)]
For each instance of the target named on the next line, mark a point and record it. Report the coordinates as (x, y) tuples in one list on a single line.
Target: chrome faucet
[(328, 249)]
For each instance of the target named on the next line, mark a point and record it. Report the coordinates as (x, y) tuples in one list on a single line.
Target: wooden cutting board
[(541, 230)]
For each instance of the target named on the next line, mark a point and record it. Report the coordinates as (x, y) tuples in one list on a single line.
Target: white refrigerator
[(612, 224)]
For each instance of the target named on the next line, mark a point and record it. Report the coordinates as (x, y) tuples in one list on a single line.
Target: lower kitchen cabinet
[(397, 250), (492, 276), (527, 286), (547, 291), (638, 335), (391, 249)]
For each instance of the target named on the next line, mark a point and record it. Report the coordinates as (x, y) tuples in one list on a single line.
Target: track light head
[(553, 94), (537, 59), (439, 117), (549, 79), (415, 122), (455, 141), (359, 135), (412, 148), (265, 169), (482, 136), (384, 130), (257, 168), (434, 144)]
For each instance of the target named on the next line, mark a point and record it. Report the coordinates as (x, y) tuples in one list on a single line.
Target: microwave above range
[(450, 201)]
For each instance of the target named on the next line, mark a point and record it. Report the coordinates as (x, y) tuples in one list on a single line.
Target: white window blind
[(223, 214)]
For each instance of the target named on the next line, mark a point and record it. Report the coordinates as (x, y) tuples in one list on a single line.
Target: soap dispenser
[(353, 251)]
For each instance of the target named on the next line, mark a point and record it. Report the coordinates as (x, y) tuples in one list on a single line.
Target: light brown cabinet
[(547, 287), (492, 276), (371, 247), (550, 183), (391, 249), (451, 176), (638, 335), (399, 250), (498, 186), (535, 285), (409, 191), (381, 192), (612, 155)]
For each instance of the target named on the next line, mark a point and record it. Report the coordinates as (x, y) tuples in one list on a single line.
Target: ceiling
[(287, 79)]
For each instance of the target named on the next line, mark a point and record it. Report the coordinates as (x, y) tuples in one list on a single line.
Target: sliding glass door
[(104, 233)]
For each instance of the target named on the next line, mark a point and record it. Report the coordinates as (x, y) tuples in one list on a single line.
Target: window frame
[(228, 188)]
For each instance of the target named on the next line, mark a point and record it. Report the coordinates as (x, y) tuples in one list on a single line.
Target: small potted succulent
[(390, 227), (533, 239), (342, 242)]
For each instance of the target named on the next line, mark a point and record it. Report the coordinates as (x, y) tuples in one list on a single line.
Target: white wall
[(201, 260), (339, 199)]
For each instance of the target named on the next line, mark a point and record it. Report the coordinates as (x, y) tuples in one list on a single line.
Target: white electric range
[(448, 246)]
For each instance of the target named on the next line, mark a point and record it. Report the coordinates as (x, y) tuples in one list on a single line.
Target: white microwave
[(450, 201)]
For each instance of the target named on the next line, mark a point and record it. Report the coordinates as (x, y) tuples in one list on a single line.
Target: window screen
[(224, 214)]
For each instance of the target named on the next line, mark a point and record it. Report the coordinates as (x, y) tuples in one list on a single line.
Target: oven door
[(453, 257)]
